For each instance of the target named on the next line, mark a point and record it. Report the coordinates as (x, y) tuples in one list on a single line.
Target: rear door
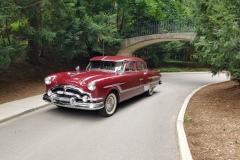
[(142, 71)]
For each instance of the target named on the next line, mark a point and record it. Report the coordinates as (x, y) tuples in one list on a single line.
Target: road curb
[(23, 113), (185, 153)]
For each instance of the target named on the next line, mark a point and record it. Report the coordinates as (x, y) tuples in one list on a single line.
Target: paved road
[(143, 127)]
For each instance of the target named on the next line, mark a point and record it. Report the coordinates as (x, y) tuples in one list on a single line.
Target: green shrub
[(9, 53)]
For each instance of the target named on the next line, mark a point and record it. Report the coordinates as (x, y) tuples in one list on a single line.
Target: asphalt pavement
[(20, 107)]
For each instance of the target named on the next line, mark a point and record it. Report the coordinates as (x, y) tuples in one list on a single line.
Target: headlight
[(91, 86), (85, 98), (48, 80), (49, 92)]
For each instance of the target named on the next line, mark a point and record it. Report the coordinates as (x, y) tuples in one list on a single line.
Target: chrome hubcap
[(110, 104)]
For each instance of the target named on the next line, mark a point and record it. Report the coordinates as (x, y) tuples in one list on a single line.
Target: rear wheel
[(110, 105), (150, 91)]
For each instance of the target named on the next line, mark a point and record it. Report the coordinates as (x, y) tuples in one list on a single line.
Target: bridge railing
[(160, 27)]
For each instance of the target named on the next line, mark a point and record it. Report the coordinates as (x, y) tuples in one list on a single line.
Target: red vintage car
[(107, 81)]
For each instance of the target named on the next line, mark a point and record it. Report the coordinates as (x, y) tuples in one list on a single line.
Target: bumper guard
[(72, 103)]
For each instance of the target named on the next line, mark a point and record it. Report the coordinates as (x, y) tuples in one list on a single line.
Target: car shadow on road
[(134, 100), (75, 113)]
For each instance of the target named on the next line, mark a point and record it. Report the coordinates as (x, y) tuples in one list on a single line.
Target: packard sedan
[(107, 81)]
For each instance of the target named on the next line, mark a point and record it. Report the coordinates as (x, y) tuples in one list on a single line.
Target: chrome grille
[(71, 97), (65, 92)]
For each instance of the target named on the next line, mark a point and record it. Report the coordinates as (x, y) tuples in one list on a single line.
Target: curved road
[(142, 128)]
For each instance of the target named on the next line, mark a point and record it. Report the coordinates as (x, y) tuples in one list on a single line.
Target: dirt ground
[(212, 120), (19, 81)]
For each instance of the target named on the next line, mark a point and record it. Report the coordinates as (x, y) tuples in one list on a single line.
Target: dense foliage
[(155, 55), (218, 22), (64, 29), (68, 28)]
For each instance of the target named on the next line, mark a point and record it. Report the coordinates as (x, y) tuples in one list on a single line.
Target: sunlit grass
[(176, 69)]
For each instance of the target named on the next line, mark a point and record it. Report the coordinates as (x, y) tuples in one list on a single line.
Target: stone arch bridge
[(156, 32)]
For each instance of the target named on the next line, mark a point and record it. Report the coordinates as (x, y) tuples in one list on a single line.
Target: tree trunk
[(32, 53), (33, 44)]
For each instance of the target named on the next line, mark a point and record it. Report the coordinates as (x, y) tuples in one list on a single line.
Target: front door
[(133, 81)]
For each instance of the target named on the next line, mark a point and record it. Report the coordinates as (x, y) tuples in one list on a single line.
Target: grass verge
[(176, 69)]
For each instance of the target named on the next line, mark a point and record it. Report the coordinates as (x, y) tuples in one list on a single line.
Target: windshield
[(106, 65)]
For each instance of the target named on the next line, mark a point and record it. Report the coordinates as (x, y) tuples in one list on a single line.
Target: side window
[(130, 67), (141, 66)]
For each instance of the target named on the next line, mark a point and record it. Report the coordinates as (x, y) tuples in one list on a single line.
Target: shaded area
[(21, 80)]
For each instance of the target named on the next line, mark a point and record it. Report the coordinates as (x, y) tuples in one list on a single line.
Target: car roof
[(116, 58)]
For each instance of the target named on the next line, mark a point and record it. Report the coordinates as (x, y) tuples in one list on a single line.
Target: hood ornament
[(70, 74)]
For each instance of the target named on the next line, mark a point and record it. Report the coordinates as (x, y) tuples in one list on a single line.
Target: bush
[(235, 75), (9, 53)]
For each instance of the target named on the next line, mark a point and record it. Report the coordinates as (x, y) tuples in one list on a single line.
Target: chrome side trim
[(130, 89), (154, 77), (114, 85)]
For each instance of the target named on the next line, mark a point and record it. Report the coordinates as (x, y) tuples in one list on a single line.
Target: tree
[(65, 28), (154, 55), (169, 10), (218, 21), (81, 31), (10, 48), (68, 28), (24, 23)]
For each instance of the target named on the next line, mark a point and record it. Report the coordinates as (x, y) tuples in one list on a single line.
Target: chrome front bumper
[(72, 103)]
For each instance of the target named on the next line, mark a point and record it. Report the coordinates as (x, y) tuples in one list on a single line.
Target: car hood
[(83, 77)]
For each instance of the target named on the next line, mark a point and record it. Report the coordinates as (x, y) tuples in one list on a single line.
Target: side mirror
[(119, 71)]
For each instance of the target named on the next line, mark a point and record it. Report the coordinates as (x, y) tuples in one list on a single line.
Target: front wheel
[(110, 106)]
